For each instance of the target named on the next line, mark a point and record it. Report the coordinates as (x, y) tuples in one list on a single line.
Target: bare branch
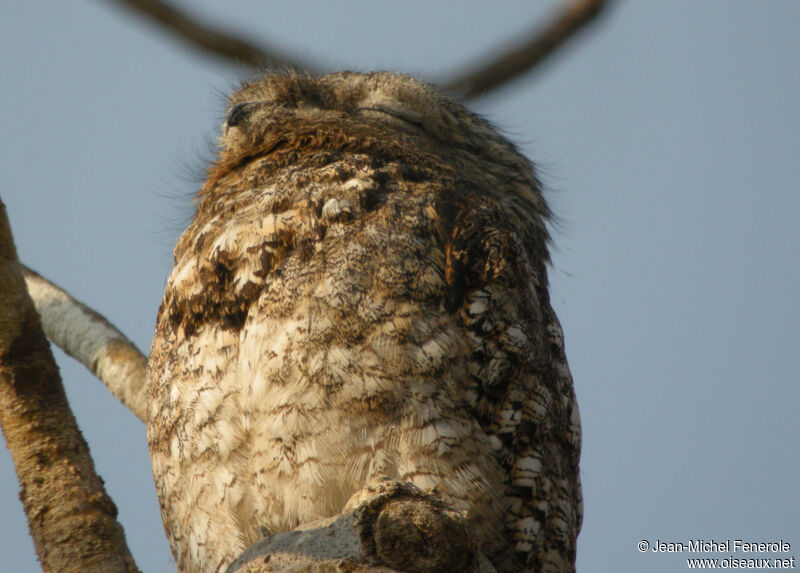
[(213, 40), (522, 57), (525, 55), (91, 340), (71, 518)]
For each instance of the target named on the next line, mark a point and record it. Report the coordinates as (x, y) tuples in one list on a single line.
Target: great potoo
[(361, 294)]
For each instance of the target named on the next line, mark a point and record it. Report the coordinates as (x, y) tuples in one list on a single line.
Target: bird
[(362, 294)]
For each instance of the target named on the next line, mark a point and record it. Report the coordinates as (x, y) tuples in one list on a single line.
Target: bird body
[(362, 295)]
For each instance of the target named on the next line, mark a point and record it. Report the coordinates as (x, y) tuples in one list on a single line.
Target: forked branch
[(510, 62)]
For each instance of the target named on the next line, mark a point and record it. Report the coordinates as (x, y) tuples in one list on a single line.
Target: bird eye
[(238, 114)]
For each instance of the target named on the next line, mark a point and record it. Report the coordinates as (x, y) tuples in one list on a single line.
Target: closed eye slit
[(240, 112), (237, 114), (416, 123)]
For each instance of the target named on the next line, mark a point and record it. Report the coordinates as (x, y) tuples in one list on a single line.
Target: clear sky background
[(668, 136)]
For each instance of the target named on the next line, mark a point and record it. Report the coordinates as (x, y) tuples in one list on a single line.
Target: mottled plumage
[(362, 293)]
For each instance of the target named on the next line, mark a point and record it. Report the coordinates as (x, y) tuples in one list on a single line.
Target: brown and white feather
[(362, 293)]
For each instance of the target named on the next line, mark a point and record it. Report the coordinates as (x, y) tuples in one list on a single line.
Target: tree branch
[(91, 340), (212, 40), (523, 56), (71, 518)]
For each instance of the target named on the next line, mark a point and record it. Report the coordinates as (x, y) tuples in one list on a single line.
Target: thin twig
[(499, 70), (526, 55), (213, 40), (71, 518), (91, 340)]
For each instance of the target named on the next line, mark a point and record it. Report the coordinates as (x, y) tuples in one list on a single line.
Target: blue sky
[(668, 136)]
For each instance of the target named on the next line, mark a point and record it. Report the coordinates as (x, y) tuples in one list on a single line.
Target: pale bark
[(91, 340)]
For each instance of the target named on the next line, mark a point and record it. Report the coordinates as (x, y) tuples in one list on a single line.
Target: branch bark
[(524, 56), (71, 518), (214, 41), (92, 340)]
